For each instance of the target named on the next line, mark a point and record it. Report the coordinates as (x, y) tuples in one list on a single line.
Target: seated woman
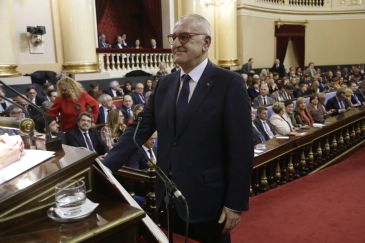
[(316, 109), (289, 113), (301, 114), (113, 129), (282, 126)]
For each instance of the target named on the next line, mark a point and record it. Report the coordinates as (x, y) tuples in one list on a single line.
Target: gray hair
[(113, 83), (102, 98), (198, 20)]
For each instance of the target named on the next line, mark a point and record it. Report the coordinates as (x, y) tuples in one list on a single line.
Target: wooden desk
[(26, 198)]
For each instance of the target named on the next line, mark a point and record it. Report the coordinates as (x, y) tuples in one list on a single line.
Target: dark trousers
[(205, 232)]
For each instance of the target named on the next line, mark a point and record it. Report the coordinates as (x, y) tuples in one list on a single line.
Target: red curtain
[(139, 19), (297, 35)]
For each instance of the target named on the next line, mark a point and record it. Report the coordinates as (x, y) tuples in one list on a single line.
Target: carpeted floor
[(326, 207)]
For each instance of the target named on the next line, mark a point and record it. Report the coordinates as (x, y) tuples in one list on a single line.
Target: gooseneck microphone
[(171, 190), (52, 144), (170, 186)]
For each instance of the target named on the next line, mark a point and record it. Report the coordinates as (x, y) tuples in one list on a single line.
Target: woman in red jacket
[(72, 99)]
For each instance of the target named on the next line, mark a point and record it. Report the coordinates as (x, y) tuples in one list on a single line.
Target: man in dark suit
[(278, 68), (263, 99), (360, 93), (127, 107), (247, 68), (31, 93), (338, 103), (115, 90), (202, 116), (107, 105), (86, 136), (138, 94), (263, 124), (256, 134), (138, 160)]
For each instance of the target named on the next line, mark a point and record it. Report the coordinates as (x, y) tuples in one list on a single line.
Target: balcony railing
[(122, 61), (306, 5)]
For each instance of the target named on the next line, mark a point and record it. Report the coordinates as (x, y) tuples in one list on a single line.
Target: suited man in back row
[(205, 145)]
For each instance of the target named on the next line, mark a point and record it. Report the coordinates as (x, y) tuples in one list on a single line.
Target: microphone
[(25, 125), (171, 189), (52, 144), (170, 186)]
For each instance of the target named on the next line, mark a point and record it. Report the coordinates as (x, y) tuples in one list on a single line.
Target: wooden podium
[(24, 202)]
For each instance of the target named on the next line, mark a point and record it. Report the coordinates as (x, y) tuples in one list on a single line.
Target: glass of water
[(70, 195)]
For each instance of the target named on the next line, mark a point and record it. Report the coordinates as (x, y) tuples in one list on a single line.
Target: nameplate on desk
[(29, 159)]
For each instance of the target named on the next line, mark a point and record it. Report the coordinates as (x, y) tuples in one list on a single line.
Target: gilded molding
[(81, 68), (281, 22), (8, 70), (228, 62)]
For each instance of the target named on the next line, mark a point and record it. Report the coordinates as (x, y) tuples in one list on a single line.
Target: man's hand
[(231, 218)]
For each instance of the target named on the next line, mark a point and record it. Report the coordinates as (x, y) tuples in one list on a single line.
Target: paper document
[(29, 159), (319, 125)]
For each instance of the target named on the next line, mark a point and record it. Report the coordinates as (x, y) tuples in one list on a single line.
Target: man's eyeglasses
[(184, 37)]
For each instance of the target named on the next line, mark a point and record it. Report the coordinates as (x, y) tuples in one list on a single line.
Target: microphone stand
[(172, 192), (52, 144)]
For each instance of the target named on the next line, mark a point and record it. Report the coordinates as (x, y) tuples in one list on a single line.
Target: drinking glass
[(70, 195)]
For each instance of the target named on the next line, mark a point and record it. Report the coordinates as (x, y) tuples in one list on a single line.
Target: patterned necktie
[(183, 100), (88, 142)]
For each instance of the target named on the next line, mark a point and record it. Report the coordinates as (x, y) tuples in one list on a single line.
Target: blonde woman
[(72, 99), (114, 128), (282, 125)]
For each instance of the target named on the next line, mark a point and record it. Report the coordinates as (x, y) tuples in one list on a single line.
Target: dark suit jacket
[(75, 138), (101, 117), (332, 103), (110, 92), (260, 127), (139, 161), (210, 157), (125, 112), (246, 68), (137, 99), (280, 70), (360, 95)]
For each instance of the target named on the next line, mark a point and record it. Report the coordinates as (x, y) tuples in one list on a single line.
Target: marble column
[(78, 36), (8, 60), (227, 34)]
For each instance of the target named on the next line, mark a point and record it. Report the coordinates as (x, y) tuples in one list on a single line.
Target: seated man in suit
[(263, 99), (139, 159), (280, 95), (356, 101), (263, 124), (278, 68), (138, 95), (106, 102), (338, 103), (247, 68), (361, 92), (86, 136), (127, 108), (257, 135), (115, 91), (31, 94)]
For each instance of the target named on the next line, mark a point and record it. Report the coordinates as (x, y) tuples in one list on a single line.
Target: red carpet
[(328, 206)]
